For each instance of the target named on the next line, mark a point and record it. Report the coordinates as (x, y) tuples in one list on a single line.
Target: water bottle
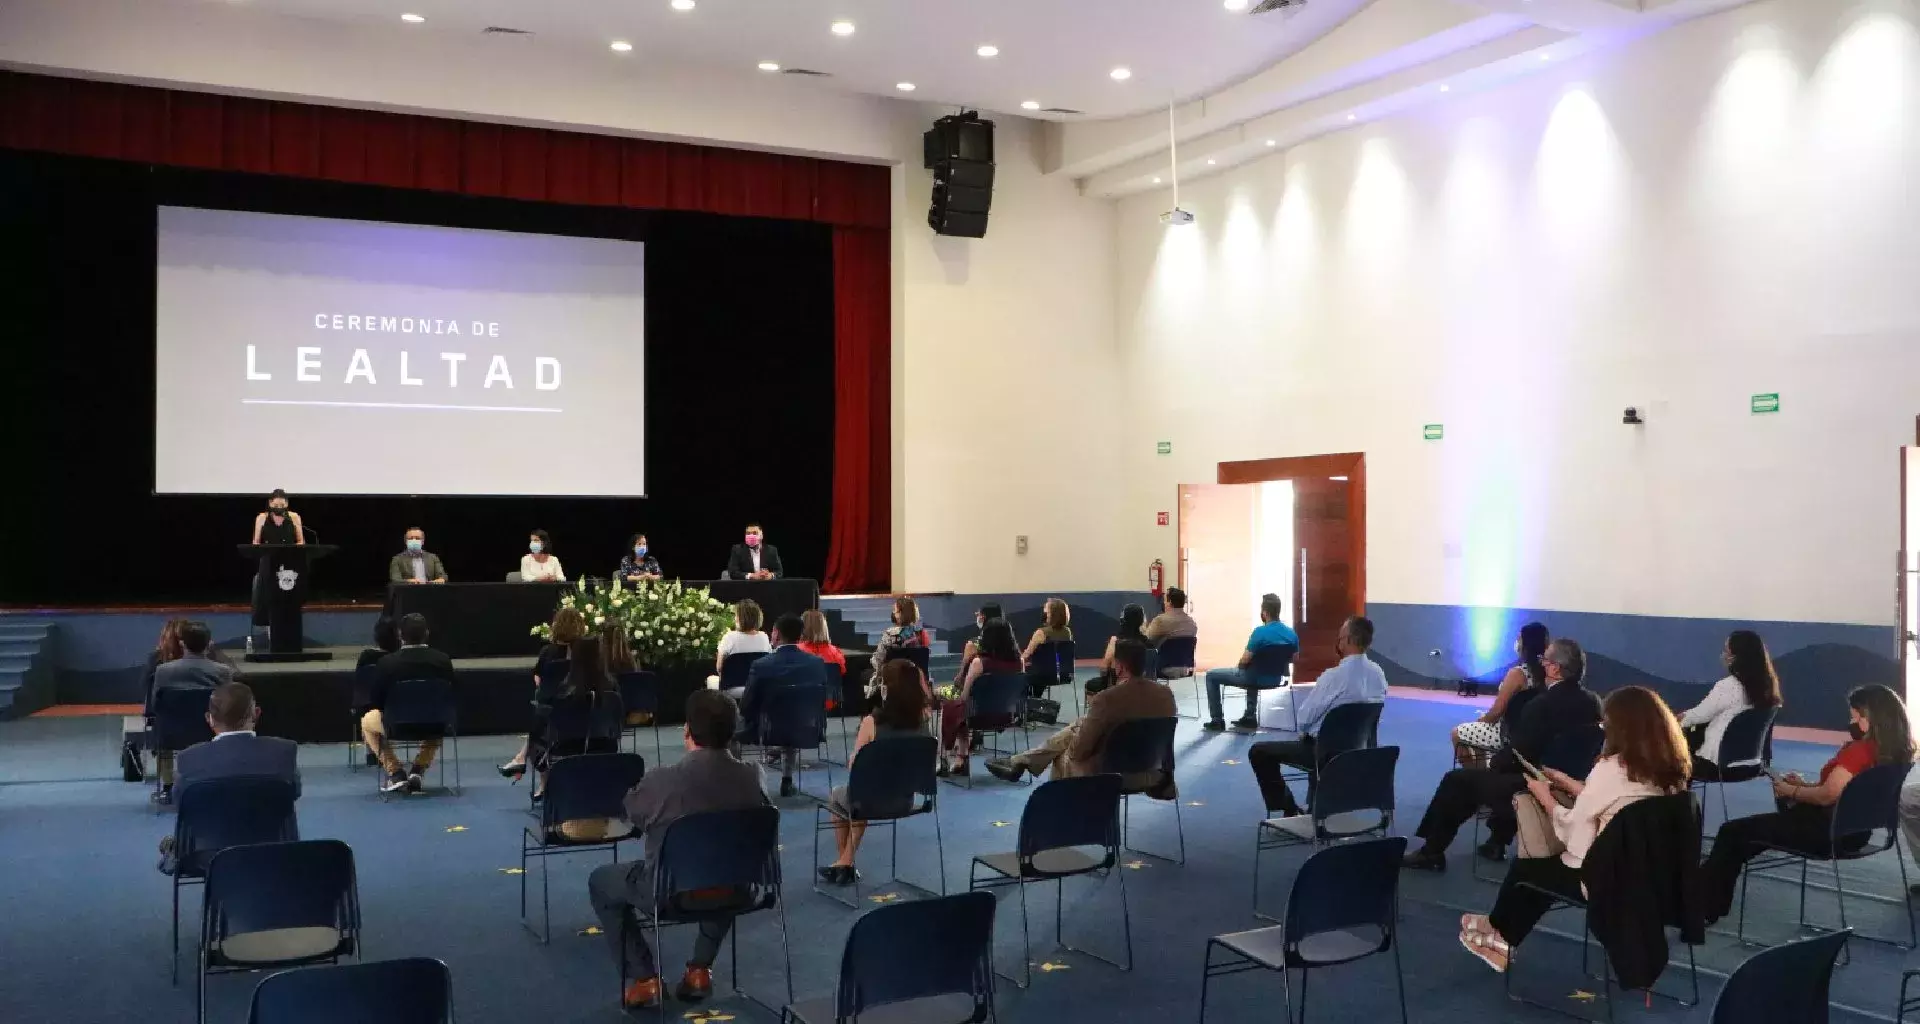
[(249, 641)]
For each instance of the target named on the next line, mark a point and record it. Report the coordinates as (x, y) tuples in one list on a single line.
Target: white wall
[(1722, 209)]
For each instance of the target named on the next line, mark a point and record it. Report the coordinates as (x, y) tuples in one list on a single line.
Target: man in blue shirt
[(1355, 680), (1270, 633)]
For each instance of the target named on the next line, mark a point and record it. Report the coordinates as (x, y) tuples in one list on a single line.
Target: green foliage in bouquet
[(667, 623)]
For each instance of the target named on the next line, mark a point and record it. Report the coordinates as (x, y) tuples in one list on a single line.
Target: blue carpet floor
[(87, 914)]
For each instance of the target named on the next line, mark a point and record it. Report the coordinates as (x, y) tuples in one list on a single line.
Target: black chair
[(920, 656), (219, 813), (1268, 670), (730, 852), (1786, 983), (1176, 661), (1908, 1004), (1345, 906), (640, 695), (1742, 754), (1354, 797), (1139, 748), (179, 721), (838, 706), (734, 670), (278, 905), (1051, 666), (1869, 803), (948, 977), (357, 701), (553, 679), (418, 710), (997, 702), (795, 718), (1346, 727), (584, 787), (1061, 816), (1571, 751), (417, 990), (892, 780)]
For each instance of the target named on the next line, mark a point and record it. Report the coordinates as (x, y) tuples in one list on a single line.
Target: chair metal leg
[(176, 927), (1026, 940), (546, 902), (1286, 995), (1400, 979), (940, 849), (1206, 975)]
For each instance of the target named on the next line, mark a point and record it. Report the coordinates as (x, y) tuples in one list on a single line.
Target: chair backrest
[(1079, 811), (1786, 982), (718, 850), (794, 717), (1870, 801), (553, 679), (1745, 739), (1574, 751), (1272, 661), (180, 717), (1176, 652), (419, 704), (590, 786), (1342, 887), (416, 990), (1351, 784), (233, 811), (996, 700), (1138, 746), (1348, 727), (363, 684), (1517, 704), (639, 691), (1053, 659), (515, 577), (888, 773), (951, 944), (733, 671), (269, 886), (918, 655)]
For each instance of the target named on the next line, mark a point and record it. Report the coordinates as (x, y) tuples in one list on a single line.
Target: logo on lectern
[(287, 578)]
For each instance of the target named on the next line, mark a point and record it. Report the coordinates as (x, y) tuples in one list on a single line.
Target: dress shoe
[(513, 770), (1422, 860), (695, 985), (1246, 722), (641, 994), (1006, 769), (1214, 725), (396, 781), (413, 782), (1492, 851), (786, 787), (963, 768)]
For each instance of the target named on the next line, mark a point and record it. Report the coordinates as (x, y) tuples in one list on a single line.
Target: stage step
[(26, 666)]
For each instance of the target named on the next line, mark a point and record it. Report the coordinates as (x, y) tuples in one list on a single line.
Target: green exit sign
[(1766, 403), (1433, 432), (1163, 448)]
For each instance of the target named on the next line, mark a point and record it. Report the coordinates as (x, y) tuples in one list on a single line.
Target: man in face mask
[(416, 564), (755, 559)]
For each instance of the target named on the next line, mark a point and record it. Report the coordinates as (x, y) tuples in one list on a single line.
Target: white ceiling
[(1056, 52)]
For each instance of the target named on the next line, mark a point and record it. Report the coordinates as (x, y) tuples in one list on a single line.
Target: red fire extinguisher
[(1156, 573)]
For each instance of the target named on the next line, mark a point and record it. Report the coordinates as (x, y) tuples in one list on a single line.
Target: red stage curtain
[(230, 133)]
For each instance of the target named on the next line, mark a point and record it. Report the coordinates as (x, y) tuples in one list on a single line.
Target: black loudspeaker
[(958, 150)]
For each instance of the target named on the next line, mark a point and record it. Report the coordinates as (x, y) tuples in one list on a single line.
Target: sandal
[(1491, 949)]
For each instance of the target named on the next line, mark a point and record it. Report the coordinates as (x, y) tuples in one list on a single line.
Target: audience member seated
[(1476, 741), (786, 668), (1355, 680), (1803, 820), (414, 660), (906, 631), (549, 671), (638, 565), (1132, 617), (616, 651), (817, 641), (1749, 683), (587, 680), (234, 750), (166, 648), (1644, 756), (744, 638), (1564, 707), (708, 778), (1270, 633), (386, 640), (903, 712), (193, 670), (1077, 749), (539, 565), (971, 649), (1173, 620), (416, 564), (996, 654), (1054, 627)]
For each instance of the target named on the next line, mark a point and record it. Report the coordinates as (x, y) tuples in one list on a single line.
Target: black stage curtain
[(739, 395)]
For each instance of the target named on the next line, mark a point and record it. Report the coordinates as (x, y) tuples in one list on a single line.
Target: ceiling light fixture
[(988, 50), (1272, 143), (1175, 217), (843, 28), (1446, 88), (1120, 74), (767, 65), (904, 86), (620, 46), (1352, 117), (413, 19), (1546, 56), (1156, 181), (682, 5), (1234, 5), (1030, 105), (1209, 161)]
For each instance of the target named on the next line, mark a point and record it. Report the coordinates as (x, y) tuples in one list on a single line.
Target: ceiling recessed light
[(1030, 105), (988, 50), (620, 46), (903, 86), (843, 28), (1352, 117), (1120, 74), (683, 5), (1209, 161), (1156, 181), (1546, 56), (1271, 142), (1234, 5), (1446, 88), (413, 19), (767, 65)]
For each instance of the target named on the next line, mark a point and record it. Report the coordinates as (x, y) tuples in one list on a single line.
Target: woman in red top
[(1877, 721), (815, 640), (997, 654)]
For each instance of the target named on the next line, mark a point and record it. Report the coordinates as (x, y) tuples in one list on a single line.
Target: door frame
[(1352, 465)]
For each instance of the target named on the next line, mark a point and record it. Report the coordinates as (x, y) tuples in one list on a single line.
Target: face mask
[(278, 510), (414, 545), (753, 540), (1856, 732), (639, 551), (533, 546)]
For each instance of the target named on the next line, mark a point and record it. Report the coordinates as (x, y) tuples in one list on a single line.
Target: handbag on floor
[(132, 769), (1043, 711)]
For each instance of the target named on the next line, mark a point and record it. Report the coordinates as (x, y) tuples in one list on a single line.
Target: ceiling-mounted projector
[(1176, 216)]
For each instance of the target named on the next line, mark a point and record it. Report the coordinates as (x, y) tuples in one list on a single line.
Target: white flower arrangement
[(667, 622)]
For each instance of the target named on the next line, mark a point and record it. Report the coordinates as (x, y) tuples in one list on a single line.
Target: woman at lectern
[(277, 525), (538, 565)]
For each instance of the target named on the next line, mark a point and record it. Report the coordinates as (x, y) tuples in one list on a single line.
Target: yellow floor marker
[(1230, 761), (1001, 824), (592, 929), (513, 871), (456, 828)]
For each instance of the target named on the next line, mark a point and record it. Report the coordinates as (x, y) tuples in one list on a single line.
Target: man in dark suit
[(195, 670), (414, 660), (1565, 706), (755, 559), (234, 750), (708, 778), (416, 564), (1079, 748), (787, 667)]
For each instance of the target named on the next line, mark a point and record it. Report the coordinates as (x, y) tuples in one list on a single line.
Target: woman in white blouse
[(539, 565), (1750, 683), (1645, 756), (744, 638)]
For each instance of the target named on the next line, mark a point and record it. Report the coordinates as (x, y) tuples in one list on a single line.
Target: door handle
[(1303, 586)]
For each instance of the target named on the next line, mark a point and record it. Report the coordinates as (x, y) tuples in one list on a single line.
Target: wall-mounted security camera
[(1632, 417)]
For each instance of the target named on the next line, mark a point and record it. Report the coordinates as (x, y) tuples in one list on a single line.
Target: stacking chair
[(1061, 818), (584, 787), (1051, 666), (1346, 727), (640, 695), (1345, 906), (278, 905), (795, 718), (1868, 804), (357, 700), (1786, 983), (948, 977), (1143, 747), (920, 656), (179, 721), (997, 702), (1271, 667), (1908, 1004), (1742, 757), (416, 990), (734, 670), (892, 780), (717, 864), (1176, 662), (418, 710), (219, 813), (553, 679), (1354, 798), (837, 704)]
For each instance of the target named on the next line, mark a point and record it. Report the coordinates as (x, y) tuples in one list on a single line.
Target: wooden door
[(1216, 544), (1324, 593)]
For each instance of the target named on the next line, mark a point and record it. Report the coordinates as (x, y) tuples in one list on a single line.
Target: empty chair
[(584, 810), (1345, 906), (417, 990), (1786, 983), (1061, 818), (892, 780), (1742, 755), (1140, 751), (1354, 797), (218, 813), (640, 696), (419, 710), (278, 905), (1175, 661), (734, 670), (948, 976)]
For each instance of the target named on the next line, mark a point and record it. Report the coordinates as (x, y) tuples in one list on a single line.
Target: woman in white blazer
[(1749, 683)]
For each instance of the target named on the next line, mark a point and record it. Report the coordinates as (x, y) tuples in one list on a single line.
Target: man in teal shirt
[(1270, 633)]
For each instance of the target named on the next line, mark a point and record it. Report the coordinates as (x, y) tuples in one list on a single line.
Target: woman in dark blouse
[(567, 627)]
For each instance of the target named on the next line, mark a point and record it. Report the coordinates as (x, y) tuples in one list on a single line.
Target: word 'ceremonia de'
[(309, 361)]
